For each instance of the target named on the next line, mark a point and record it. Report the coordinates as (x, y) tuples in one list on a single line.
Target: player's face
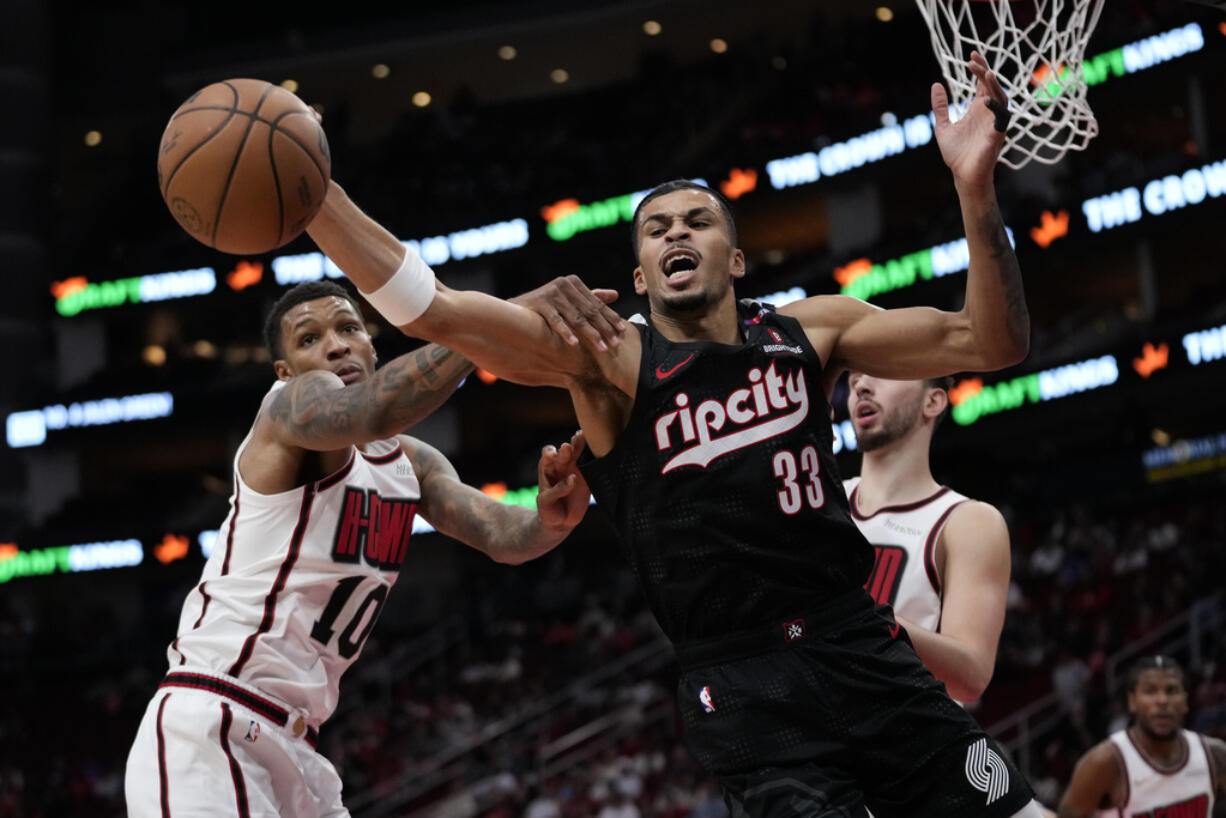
[(1159, 702), (686, 258), (882, 411), (326, 333)]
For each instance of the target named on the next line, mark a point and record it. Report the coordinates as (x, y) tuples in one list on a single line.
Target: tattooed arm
[(992, 330), (316, 410), (506, 533)]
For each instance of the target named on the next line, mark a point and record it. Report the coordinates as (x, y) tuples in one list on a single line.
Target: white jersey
[(904, 537), (297, 579), (1184, 792)]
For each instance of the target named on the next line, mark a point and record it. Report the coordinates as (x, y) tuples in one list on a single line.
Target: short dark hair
[(306, 291), (945, 382), (672, 187), (1156, 662)]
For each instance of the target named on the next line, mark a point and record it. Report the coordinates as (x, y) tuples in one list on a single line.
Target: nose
[(337, 346), (677, 231)]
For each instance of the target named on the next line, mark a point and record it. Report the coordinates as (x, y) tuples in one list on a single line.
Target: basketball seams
[(233, 109), (238, 154), (276, 181), (230, 174), (291, 136)]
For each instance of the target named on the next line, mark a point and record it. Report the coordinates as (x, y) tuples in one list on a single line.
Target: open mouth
[(349, 374), (678, 262), (865, 412)]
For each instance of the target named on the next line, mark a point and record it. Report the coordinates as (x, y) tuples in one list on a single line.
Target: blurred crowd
[(548, 689)]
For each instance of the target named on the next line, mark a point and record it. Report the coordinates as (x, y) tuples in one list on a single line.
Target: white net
[(1036, 48)]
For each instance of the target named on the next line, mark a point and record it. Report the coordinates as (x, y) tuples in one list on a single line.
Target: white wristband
[(407, 294)]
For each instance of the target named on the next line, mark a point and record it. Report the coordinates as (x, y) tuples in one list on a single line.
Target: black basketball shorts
[(832, 711)]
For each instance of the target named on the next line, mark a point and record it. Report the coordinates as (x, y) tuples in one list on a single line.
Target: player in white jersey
[(1154, 768), (325, 492), (942, 560)]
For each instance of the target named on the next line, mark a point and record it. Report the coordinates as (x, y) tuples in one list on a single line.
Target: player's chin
[(685, 302)]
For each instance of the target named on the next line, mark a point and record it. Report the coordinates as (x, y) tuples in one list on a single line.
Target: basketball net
[(1037, 55)]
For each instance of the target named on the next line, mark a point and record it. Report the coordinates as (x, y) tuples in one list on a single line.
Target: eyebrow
[(691, 213)]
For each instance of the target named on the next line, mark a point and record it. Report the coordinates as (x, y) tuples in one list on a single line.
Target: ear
[(282, 369), (935, 403), (640, 281), (738, 263), (1132, 704)]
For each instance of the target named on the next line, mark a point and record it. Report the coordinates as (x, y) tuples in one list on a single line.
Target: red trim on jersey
[(336, 476), (1123, 768), (930, 547), (225, 564), (236, 771), (270, 602), (163, 786), (855, 512), (1209, 760), (199, 619), (383, 459), (1187, 755)]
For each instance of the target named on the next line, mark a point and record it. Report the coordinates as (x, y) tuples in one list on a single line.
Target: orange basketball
[(243, 166)]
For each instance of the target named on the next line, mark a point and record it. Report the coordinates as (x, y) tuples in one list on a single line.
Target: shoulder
[(1102, 762), (978, 530), (975, 515), (828, 311), (1215, 748), (425, 458)]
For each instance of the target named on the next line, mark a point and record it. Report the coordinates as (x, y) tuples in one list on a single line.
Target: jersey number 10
[(348, 646)]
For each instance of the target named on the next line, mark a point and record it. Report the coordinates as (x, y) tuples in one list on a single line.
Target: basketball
[(243, 166)]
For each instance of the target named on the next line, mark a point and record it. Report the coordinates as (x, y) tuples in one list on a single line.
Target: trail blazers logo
[(373, 528), (986, 770), (771, 405)]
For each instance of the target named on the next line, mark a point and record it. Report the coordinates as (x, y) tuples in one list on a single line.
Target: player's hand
[(564, 496), (971, 146), (574, 312)]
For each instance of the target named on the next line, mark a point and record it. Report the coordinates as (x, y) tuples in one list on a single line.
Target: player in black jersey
[(712, 455)]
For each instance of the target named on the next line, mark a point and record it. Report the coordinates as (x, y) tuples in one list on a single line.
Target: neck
[(717, 322), (896, 473), (1166, 751)]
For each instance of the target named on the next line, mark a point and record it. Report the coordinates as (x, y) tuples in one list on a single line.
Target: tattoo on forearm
[(398, 395), (1017, 317)]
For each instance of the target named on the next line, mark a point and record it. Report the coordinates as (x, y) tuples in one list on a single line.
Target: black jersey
[(723, 486)]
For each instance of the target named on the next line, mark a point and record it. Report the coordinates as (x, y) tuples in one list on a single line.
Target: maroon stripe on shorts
[(270, 602), (236, 772), (163, 785)]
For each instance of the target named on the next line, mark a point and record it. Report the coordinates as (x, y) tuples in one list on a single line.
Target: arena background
[(136, 365)]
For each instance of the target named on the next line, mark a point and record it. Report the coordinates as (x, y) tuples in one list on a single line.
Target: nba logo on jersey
[(704, 696), (253, 732), (794, 630)]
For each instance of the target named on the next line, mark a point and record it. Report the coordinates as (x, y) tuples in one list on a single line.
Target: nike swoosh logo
[(662, 373)]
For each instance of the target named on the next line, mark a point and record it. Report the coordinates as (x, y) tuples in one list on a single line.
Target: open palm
[(971, 146)]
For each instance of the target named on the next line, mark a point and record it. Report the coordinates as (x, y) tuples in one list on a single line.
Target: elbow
[(1006, 352), (969, 686)]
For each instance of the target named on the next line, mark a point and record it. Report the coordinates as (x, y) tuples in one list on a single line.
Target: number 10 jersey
[(297, 579)]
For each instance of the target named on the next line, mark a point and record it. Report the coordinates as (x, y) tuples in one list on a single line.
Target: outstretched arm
[(506, 533), (504, 338), (975, 585), (992, 330), (317, 411)]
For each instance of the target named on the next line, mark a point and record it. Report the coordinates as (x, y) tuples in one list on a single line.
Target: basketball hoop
[(1036, 52)]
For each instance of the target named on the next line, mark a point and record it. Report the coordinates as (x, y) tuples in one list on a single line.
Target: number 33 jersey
[(723, 487), (296, 580)]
